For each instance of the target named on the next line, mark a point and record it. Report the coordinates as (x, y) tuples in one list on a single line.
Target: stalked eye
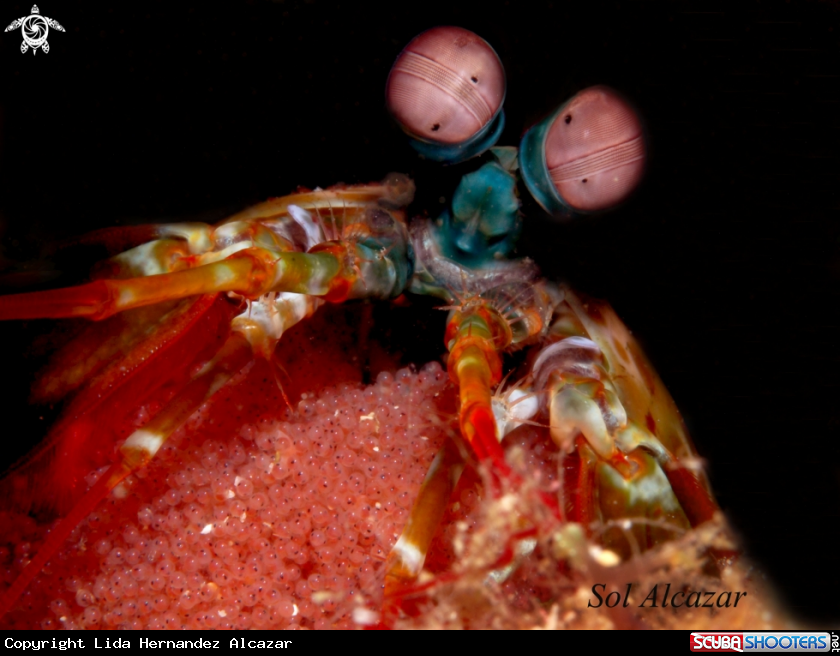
[(446, 91), (588, 156)]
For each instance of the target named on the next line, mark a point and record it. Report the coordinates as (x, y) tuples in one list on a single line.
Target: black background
[(725, 264)]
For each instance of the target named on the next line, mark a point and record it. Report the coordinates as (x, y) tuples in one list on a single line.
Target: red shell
[(595, 150), (446, 85)]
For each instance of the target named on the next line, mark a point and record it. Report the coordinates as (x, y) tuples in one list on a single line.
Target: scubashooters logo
[(800, 641), (35, 29)]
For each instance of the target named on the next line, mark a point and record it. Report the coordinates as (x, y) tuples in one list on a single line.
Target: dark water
[(725, 265)]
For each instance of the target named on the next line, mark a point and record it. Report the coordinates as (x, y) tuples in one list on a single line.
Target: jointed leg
[(405, 562)]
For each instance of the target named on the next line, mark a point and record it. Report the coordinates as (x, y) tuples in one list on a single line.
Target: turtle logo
[(34, 29)]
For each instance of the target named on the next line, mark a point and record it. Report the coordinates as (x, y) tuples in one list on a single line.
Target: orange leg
[(245, 272), (405, 562), (332, 270), (137, 367), (475, 336)]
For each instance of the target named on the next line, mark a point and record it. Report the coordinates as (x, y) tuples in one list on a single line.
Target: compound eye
[(446, 91), (589, 156)]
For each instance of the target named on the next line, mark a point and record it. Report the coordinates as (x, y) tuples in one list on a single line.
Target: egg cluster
[(286, 523)]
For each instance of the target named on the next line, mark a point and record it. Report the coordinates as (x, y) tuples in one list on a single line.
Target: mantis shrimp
[(200, 304)]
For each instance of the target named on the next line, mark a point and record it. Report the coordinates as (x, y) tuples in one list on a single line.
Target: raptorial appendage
[(340, 244)]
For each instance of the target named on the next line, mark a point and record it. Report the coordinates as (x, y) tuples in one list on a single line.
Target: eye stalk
[(446, 91), (587, 157)]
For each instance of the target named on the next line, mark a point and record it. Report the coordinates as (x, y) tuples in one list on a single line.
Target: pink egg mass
[(253, 516)]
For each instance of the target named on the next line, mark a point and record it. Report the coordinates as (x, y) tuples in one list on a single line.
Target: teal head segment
[(587, 157), (446, 91), (484, 222)]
